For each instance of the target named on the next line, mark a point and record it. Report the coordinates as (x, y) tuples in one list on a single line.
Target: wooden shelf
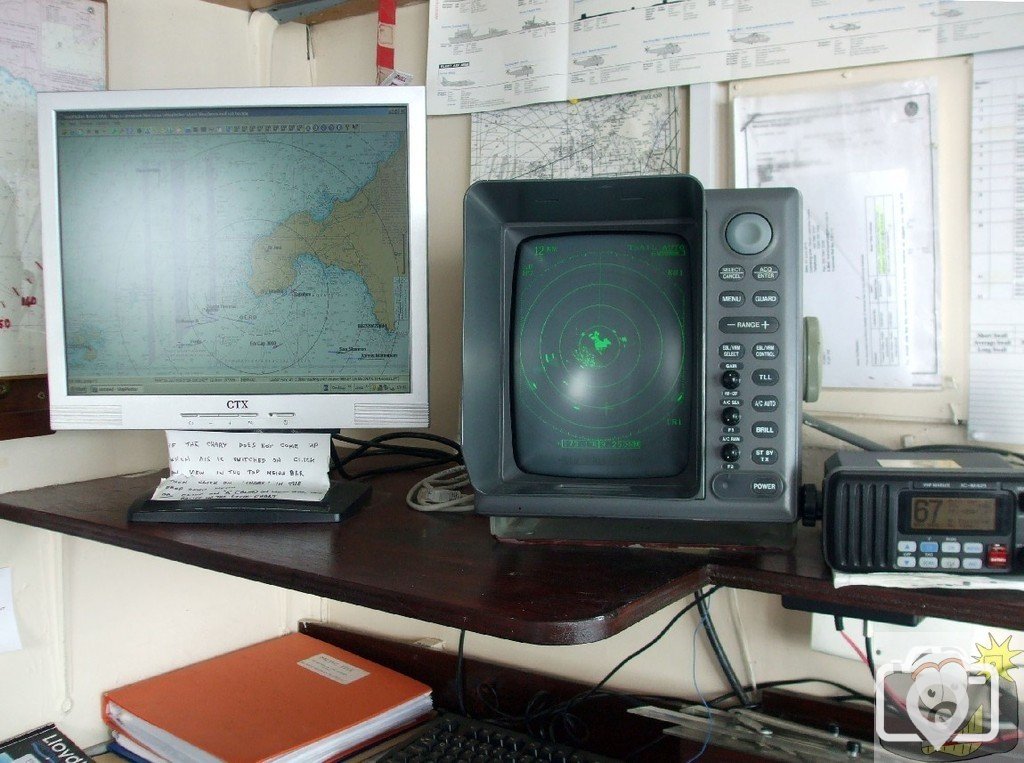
[(448, 569), (342, 10), (610, 729)]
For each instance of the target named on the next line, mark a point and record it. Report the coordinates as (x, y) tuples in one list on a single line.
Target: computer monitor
[(235, 259)]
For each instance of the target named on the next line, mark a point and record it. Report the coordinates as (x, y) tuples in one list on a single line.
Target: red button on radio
[(998, 556)]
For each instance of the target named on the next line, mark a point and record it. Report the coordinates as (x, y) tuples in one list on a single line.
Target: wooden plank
[(345, 10), (448, 569), (24, 407)]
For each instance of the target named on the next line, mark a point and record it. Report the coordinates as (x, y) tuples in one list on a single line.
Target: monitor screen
[(236, 258), (600, 354)]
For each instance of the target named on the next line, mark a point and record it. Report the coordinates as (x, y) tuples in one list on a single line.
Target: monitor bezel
[(222, 412), (499, 215)]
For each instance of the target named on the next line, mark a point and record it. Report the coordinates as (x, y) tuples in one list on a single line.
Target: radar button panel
[(755, 253)]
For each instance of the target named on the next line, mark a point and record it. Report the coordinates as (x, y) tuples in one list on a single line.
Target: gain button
[(748, 233)]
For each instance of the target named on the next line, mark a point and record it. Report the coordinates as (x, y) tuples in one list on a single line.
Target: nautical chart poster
[(45, 45), (628, 134)]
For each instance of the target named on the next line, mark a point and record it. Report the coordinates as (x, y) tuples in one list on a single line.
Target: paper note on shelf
[(246, 465), (928, 580)]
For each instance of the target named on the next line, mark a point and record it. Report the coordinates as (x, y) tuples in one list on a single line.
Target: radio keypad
[(950, 555)]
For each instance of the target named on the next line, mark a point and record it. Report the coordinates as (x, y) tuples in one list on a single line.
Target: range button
[(751, 325)]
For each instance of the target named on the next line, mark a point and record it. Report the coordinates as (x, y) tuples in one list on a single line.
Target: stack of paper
[(292, 699)]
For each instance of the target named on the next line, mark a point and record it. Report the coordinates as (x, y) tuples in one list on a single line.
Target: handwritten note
[(10, 641), (239, 465)]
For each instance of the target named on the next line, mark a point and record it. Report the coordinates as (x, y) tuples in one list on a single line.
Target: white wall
[(94, 616)]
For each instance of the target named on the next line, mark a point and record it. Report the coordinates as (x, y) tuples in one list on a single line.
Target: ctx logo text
[(237, 404)]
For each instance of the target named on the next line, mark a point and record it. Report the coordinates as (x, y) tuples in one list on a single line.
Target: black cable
[(869, 648), (964, 449), (723, 659), (556, 721), (851, 693), (697, 598), (380, 446)]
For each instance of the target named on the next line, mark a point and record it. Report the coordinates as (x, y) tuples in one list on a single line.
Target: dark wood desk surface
[(448, 569)]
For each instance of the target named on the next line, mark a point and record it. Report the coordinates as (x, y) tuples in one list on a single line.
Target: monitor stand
[(249, 478), (342, 500)]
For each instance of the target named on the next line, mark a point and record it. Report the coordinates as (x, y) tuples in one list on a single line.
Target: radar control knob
[(730, 453), (731, 416), (731, 379)]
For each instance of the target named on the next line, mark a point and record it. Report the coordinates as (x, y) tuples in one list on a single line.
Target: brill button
[(748, 233)]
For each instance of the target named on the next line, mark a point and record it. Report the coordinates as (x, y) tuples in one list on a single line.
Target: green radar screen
[(600, 362)]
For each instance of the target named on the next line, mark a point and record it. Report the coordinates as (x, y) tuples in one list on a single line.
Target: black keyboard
[(454, 738)]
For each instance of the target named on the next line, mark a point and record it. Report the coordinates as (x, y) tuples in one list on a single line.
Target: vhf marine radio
[(923, 512)]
